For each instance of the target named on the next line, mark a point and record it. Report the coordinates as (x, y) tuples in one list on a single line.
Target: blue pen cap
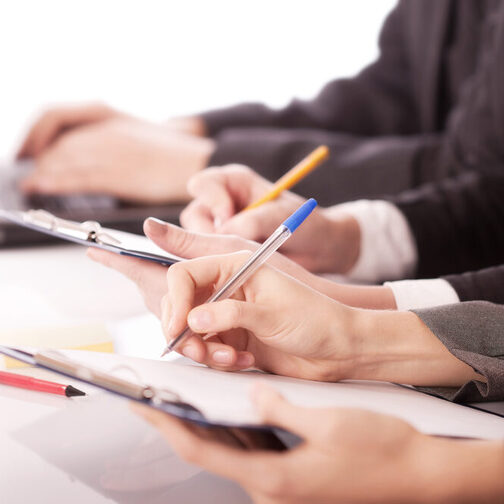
[(295, 220)]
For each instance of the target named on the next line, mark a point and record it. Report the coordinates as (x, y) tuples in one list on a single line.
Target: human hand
[(151, 278), (59, 120), (328, 242), (125, 157), (272, 322), (348, 455)]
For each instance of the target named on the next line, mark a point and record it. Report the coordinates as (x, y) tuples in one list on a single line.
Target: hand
[(350, 456), (393, 346), (280, 325), (328, 242), (125, 157), (60, 120), (272, 322), (151, 278)]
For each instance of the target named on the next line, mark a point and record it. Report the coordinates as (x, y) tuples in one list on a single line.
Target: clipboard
[(159, 398), (214, 400), (91, 234), (244, 436)]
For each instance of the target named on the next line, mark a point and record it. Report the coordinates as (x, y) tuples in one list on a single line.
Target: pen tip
[(73, 392)]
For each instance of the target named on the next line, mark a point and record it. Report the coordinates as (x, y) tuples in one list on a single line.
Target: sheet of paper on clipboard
[(216, 398), (91, 234)]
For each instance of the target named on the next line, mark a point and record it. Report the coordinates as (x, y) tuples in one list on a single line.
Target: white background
[(158, 59)]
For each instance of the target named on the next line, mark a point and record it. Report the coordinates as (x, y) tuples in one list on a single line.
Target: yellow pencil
[(293, 176)]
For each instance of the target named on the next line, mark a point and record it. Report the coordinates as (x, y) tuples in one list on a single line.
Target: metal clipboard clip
[(159, 397), (89, 230)]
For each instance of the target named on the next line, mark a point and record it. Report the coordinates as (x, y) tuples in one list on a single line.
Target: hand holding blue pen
[(260, 256)]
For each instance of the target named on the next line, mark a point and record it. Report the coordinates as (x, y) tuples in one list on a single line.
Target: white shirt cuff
[(417, 294), (388, 249)]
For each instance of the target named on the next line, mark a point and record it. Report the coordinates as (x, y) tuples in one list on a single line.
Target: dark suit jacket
[(432, 106), (474, 333), (389, 127)]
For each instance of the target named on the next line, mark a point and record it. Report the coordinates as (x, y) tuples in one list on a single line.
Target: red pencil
[(27, 382)]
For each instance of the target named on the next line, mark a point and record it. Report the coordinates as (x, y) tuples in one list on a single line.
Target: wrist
[(192, 125), (371, 297), (448, 471), (344, 242), (398, 347)]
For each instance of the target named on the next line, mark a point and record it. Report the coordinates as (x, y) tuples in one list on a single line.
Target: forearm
[(397, 346), (371, 297), (459, 472)]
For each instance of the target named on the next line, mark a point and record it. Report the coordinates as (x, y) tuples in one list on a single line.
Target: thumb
[(275, 410), (230, 314), (188, 244)]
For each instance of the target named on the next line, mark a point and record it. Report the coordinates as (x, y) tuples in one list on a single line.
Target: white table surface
[(58, 285)]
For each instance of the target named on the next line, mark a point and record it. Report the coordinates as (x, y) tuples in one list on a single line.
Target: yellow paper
[(91, 337)]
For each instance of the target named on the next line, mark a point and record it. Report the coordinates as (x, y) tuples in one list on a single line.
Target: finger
[(220, 356), (230, 314), (138, 270), (59, 182), (209, 188), (275, 410), (248, 469), (189, 244), (185, 279), (255, 224), (55, 122), (40, 135), (197, 217)]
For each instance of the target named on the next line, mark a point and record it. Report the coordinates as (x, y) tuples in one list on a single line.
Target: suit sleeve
[(370, 123), (484, 285), (375, 102), (474, 333), (457, 224)]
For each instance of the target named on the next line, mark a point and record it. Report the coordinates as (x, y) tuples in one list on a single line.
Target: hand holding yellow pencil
[(293, 176)]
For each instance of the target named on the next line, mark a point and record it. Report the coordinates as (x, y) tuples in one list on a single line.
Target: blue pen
[(256, 260)]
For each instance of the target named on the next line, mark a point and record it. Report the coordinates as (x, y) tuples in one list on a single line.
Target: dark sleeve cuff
[(474, 333)]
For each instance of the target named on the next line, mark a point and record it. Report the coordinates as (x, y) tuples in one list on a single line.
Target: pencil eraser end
[(295, 220)]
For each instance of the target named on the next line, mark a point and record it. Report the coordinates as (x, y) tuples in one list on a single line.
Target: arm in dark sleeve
[(376, 102), (474, 333), (483, 285), (372, 130), (356, 168), (457, 223)]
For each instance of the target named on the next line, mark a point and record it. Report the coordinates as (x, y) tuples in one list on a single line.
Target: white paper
[(224, 397)]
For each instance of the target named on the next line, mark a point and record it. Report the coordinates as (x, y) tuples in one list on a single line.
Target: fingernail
[(200, 320), (190, 352), (223, 356), (245, 360), (156, 226)]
